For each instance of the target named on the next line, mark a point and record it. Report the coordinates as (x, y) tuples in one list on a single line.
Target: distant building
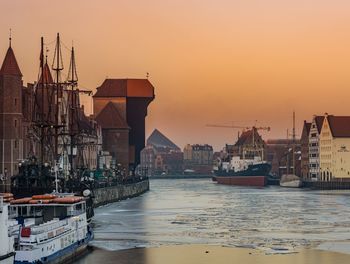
[(159, 141), (161, 156), (335, 148), (304, 141), (249, 145), (278, 152), (198, 158), (314, 147)]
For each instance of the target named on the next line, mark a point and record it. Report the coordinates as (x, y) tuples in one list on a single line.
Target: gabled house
[(335, 148), (304, 141), (314, 148)]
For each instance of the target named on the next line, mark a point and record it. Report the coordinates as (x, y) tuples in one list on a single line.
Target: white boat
[(52, 230), (290, 181), (7, 251)]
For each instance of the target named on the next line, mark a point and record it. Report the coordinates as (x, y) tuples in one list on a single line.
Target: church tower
[(11, 139)]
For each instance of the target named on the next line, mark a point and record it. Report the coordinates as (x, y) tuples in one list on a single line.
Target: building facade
[(130, 98), (11, 134), (335, 148), (314, 147), (304, 142)]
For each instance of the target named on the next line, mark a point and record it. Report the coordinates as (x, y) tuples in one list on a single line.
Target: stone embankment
[(120, 192)]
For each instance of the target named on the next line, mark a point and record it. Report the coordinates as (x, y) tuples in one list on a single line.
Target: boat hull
[(291, 184), (255, 181), (7, 259), (252, 170), (65, 255)]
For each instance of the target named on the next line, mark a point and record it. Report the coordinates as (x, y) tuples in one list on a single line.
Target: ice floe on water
[(273, 220)]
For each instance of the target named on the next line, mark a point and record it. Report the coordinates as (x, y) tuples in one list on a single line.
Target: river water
[(271, 219)]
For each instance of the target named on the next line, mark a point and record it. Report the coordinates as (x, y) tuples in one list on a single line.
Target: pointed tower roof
[(47, 74), (10, 65)]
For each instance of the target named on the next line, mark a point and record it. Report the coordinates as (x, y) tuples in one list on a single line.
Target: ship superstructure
[(54, 229), (244, 164)]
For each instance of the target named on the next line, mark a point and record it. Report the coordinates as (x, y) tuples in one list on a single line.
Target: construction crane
[(239, 127)]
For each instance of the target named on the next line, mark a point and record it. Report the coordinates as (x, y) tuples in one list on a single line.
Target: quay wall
[(119, 192), (181, 176), (322, 185)]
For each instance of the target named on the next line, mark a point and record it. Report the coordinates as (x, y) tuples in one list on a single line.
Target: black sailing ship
[(55, 135)]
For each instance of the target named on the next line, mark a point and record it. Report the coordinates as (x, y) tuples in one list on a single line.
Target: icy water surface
[(273, 219)]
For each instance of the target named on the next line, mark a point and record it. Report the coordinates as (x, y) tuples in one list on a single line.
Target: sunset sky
[(210, 61)]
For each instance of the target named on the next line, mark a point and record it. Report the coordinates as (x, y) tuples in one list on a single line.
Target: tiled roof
[(110, 117), (10, 66), (308, 127), (247, 137), (319, 122), (339, 125), (125, 88)]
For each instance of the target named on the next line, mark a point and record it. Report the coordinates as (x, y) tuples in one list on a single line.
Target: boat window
[(24, 211)]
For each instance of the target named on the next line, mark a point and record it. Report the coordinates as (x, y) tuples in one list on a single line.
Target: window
[(15, 101), (15, 122)]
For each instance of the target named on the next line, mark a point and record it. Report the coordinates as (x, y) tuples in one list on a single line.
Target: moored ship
[(54, 229), (290, 181), (244, 163), (243, 172)]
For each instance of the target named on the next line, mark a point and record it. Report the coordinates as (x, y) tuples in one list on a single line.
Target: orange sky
[(210, 61)]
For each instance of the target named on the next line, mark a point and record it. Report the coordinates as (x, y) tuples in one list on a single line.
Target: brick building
[(126, 101), (248, 145), (11, 134), (278, 153), (304, 142)]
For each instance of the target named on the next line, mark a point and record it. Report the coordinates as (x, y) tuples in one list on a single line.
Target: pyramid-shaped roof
[(10, 65), (157, 139), (110, 117)]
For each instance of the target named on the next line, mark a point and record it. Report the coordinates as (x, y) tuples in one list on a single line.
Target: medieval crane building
[(120, 107)]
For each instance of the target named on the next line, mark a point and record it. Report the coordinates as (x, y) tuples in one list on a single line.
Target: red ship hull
[(256, 181)]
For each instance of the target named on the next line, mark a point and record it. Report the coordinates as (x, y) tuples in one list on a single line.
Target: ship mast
[(73, 82), (42, 128), (57, 66), (293, 146)]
